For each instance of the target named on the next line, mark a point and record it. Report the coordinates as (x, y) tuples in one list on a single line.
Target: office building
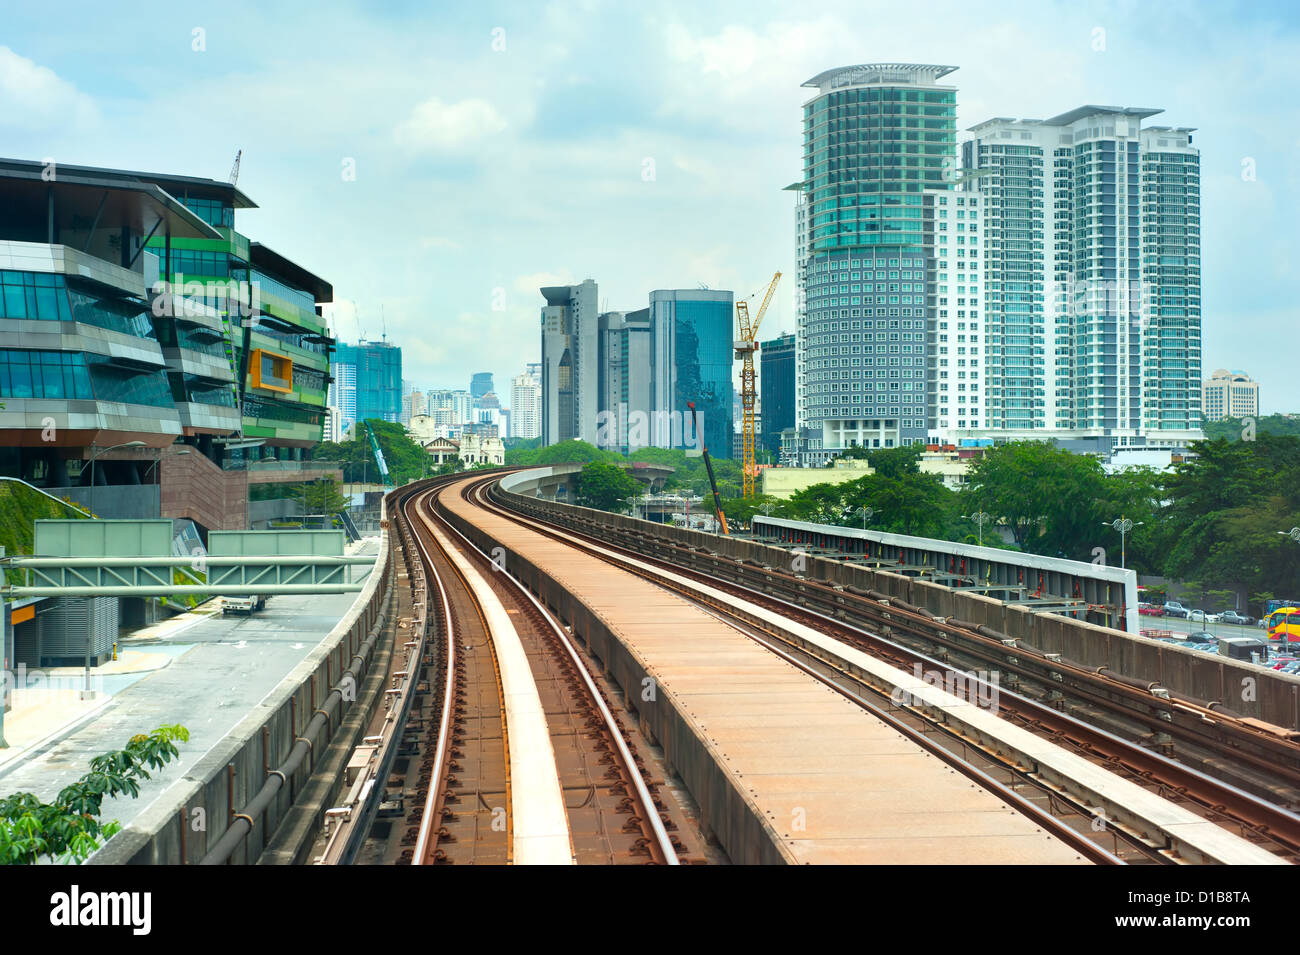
[(374, 371), (1229, 394), (183, 355), (776, 378), (481, 384), (691, 359), (570, 363), (624, 384), (877, 138), (526, 403), (622, 380)]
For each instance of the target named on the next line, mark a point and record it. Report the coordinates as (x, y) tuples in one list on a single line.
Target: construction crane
[(745, 347), (708, 464), (379, 455), (234, 170)]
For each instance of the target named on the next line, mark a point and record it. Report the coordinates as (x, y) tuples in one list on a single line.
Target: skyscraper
[(375, 372), (877, 138), (691, 358), (526, 403), (480, 384), (776, 391), (570, 360), (1091, 284), (1049, 287), (624, 380)]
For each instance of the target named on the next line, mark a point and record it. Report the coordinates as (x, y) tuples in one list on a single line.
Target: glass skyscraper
[(692, 358), (776, 390), (373, 370), (877, 138)]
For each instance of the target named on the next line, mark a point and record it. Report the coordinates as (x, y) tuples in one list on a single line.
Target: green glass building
[(877, 138), (274, 339)]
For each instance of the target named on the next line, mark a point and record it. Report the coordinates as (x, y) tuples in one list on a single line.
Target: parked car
[(1173, 608), (1151, 610), (1240, 619), (1200, 616)]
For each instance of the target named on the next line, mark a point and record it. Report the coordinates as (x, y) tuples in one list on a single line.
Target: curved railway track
[(479, 801), (1270, 827)]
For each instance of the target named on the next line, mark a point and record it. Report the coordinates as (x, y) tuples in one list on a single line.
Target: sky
[(437, 163)]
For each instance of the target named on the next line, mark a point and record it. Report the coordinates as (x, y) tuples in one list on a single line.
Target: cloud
[(529, 284), (35, 97), (447, 127)]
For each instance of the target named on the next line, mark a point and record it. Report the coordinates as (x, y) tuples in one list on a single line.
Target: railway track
[(523, 758), (1265, 825)]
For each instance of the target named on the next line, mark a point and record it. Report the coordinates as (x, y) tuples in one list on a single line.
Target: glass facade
[(876, 139), (28, 373), (869, 153), (212, 211), (776, 391), (51, 297), (376, 374), (703, 352)]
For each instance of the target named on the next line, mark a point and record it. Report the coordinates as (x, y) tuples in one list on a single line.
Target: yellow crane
[(745, 348)]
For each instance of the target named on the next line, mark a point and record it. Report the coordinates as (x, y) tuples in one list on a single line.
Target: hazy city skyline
[(661, 167)]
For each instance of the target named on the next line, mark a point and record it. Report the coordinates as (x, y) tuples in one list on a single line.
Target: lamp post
[(867, 514), (980, 518), (93, 455), (1123, 525)]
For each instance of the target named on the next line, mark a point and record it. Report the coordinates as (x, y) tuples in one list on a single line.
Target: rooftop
[(880, 74)]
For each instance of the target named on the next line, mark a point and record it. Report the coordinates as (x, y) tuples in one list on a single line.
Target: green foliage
[(521, 444), (20, 508), (1233, 429), (566, 452), (69, 829), (741, 510), (889, 462), (1226, 507), (320, 497), (605, 486), (406, 460)]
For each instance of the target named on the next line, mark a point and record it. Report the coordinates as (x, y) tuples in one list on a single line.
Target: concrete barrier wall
[(195, 811), (1240, 686)]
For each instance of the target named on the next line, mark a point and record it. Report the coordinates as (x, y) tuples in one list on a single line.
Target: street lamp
[(1123, 525), (1293, 533), (93, 455), (867, 514), (980, 518)]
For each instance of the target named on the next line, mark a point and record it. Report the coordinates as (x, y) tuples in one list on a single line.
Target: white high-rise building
[(526, 402), (570, 363), (1091, 308)]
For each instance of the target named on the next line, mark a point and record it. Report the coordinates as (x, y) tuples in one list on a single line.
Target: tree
[(407, 461), (321, 497), (605, 486), (69, 829), (743, 509), (907, 502), (1046, 496), (1227, 504), (566, 452), (896, 462)]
